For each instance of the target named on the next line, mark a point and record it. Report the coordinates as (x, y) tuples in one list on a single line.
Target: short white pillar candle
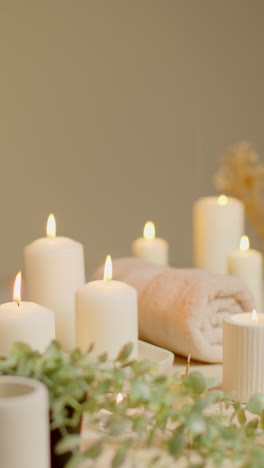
[(106, 315), (243, 348), (218, 224), (24, 428), (246, 264), (151, 248), (54, 269), (25, 322)]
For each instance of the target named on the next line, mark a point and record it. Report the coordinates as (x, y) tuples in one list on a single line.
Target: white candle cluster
[(220, 245), (104, 313)]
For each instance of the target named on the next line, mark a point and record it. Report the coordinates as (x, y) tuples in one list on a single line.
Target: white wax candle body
[(24, 428), (243, 350), (217, 232), (28, 323), (54, 269), (153, 250), (247, 265), (106, 315)]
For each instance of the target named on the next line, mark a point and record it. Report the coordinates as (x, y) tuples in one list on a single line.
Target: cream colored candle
[(54, 268), (246, 264), (218, 224), (24, 423), (106, 315), (151, 248), (243, 345), (25, 322)]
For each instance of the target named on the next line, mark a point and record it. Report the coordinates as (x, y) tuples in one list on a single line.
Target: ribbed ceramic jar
[(243, 355)]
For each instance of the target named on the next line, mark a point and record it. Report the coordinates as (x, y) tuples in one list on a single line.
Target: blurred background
[(114, 112)]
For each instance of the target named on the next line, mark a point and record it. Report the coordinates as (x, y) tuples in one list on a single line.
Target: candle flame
[(108, 269), (17, 289), (244, 243), (222, 200), (119, 398), (149, 230), (254, 316), (51, 226)]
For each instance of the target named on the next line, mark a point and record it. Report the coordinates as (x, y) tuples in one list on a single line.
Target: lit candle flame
[(51, 226), (244, 243), (17, 289), (254, 316), (149, 230), (119, 398), (108, 269), (222, 200)]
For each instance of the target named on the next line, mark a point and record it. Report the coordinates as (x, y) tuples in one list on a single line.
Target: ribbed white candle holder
[(243, 352), (24, 423)]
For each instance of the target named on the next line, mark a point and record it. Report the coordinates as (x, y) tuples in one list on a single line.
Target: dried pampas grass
[(242, 175)]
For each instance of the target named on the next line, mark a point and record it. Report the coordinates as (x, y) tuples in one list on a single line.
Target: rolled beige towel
[(182, 309)]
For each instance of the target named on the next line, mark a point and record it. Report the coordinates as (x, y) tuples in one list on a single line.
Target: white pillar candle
[(25, 322), (218, 224), (151, 248), (246, 264), (106, 315), (24, 427), (54, 268), (243, 348)]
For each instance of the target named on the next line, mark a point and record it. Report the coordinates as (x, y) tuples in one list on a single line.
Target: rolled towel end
[(182, 310)]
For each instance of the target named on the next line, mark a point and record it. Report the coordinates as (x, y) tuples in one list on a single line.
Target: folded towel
[(182, 309)]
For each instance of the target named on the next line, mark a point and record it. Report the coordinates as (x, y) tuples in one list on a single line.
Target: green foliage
[(256, 404), (164, 413)]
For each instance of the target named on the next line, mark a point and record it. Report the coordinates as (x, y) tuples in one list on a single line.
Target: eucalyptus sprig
[(158, 416)]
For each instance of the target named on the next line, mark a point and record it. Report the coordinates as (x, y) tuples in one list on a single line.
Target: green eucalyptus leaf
[(75, 460), (140, 391), (237, 405), (125, 352), (68, 444), (256, 403), (196, 423), (20, 349), (196, 382), (121, 454), (262, 420), (241, 416), (251, 427), (95, 450), (176, 442), (91, 347), (216, 395), (212, 382), (102, 357)]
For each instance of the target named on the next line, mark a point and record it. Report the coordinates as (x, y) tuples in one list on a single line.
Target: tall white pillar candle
[(106, 315), (243, 348), (54, 268), (151, 248), (25, 322), (246, 264), (24, 423), (218, 224)]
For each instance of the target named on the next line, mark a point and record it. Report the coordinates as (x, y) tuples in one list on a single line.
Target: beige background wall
[(114, 112)]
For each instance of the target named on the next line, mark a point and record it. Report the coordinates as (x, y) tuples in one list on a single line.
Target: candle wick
[(18, 303)]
